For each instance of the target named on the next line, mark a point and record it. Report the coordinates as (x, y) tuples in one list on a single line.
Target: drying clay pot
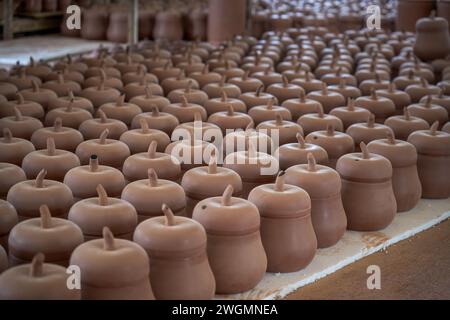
[(367, 192), (281, 130), (120, 110), (138, 140), (19, 125), (26, 108), (62, 87), (433, 39), (205, 76), (258, 98), (39, 95), (284, 91), (221, 104), (92, 128), (301, 106), (176, 247), (8, 90), (419, 90), (71, 117), (100, 94), (240, 140), (148, 101), (381, 107), (12, 149), (404, 125), (177, 83), (192, 95), (369, 131), (268, 112), (311, 122), (185, 111), (230, 120), (191, 153), (429, 112), (215, 89), (246, 83), (65, 138), (400, 98), (235, 250), (328, 99), (350, 114), (8, 219), (163, 121)]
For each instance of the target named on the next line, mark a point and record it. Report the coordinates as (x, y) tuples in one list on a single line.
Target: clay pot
[(12, 149), (433, 161), (446, 127), (167, 71), (350, 114), (83, 180), (404, 125), (92, 214), (267, 112), (179, 82), (19, 125), (246, 83), (113, 269), (92, 128), (205, 76), (95, 24), (300, 106), (37, 281), (278, 129), (135, 89), (40, 69), (198, 130), (225, 20), (192, 95), (417, 91), (230, 120), (367, 192), (163, 121), (185, 111), (235, 250), (65, 138), (433, 39), (408, 12), (26, 108), (405, 179), (137, 76), (62, 87), (191, 153), (400, 98), (439, 99), (10, 174), (42, 235), (107, 80), (39, 95), (429, 112), (369, 131), (148, 196), (120, 110), (240, 140), (347, 91), (311, 122), (258, 98), (284, 91), (70, 99), (100, 95), (110, 152), (22, 80), (147, 101), (221, 104), (168, 26), (71, 117), (328, 99), (8, 90), (8, 219), (138, 140), (117, 27), (381, 107), (215, 89)]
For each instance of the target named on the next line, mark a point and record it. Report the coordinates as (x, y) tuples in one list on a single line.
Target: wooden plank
[(8, 13), (133, 22)]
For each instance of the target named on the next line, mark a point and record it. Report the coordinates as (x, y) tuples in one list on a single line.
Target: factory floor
[(416, 268)]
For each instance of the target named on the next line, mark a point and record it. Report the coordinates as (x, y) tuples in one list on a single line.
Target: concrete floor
[(416, 268)]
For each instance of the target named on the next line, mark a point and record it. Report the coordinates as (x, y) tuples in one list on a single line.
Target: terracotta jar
[(417, 91), (400, 98), (100, 94), (405, 179), (433, 39), (367, 131), (27, 196), (8, 90), (191, 153), (281, 130), (83, 180), (95, 24), (301, 106), (120, 110), (268, 111), (138, 140), (113, 269), (168, 26), (12, 149), (381, 107), (178, 82), (286, 208), (67, 74), (215, 89), (350, 114), (75, 101), (240, 140), (149, 100), (348, 91), (62, 86), (92, 128), (65, 138), (198, 130), (268, 76), (328, 99), (163, 121), (221, 104), (235, 249), (205, 76), (440, 99), (38, 69), (8, 219), (92, 214), (185, 111), (117, 27), (429, 112), (20, 126), (433, 161), (148, 196), (284, 91), (71, 117), (404, 125), (319, 121), (258, 98), (135, 89), (110, 152), (107, 80), (39, 95), (44, 234), (367, 192), (230, 120), (26, 108), (167, 71), (37, 281), (138, 75), (446, 127), (195, 96), (246, 83), (176, 247), (10, 174)]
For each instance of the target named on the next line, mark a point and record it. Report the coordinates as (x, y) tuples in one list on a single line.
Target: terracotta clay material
[(404, 125), (417, 91), (268, 112), (191, 153), (381, 107), (110, 152), (39, 95), (235, 250), (180, 82), (92, 128), (301, 106), (319, 121), (405, 179), (83, 180), (432, 40), (328, 99), (3, 259), (113, 269), (221, 104), (367, 192), (280, 130), (136, 89), (185, 111), (241, 139), (148, 101), (100, 94), (148, 195), (19, 125), (230, 119), (65, 138), (120, 110), (26, 108), (170, 240), (258, 98), (71, 117), (433, 161), (155, 119), (8, 219), (44, 235), (246, 83), (369, 131), (400, 98), (446, 127), (92, 214), (12, 149), (215, 89), (62, 87), (8, 90), (138, 140), (284, 91), (346, 90), (429, 112), (37, 281), (350, 114), (192, 95)]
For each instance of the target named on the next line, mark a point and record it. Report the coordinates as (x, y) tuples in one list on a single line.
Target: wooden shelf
[(40, 15)]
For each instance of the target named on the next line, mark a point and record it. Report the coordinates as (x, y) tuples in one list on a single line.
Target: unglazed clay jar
[(166, 71), (95, 22), (215, 89), (37, 281), (136, 76), (367, 192), (417, 91), (429, 112), (19, 125), (404, 125), (92, 214), (240, 140), (65, 138), (26, 108), (281, 130), (335, 143), (209, 181), (92, 128), (8, 90), (299, 107), (328, 99), (120, 110), (267, 112), (44, 235), (246, 83), (185, 111), (400, 98), (405, 179), (230, 120), (192, 95), (67, 74), (258, 98), (350, 114), (56, 161), (432, 41), (62, 87), (22, 80), (163, 121), (27, 196), (235, 250), (10, 174), (100, 94), (381, 107), (12, 149), (311, 122), (113, 269), (369, 131), (71, 117), (83, 180), (110, 152), (176, 247), (440, 99), (287, 232), (221, 104), (148, 101), (135, 89), (148, 196), (446, 127), (402, 82), (284, 91), (138, 140), (433, 161), (8, 219), (347, 91), (323, 185), (191, 153), (3, 260), (168, 26), (107, 80), (39, 95)]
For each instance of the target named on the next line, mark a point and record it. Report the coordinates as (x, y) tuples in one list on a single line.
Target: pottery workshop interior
[(227, 150)]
